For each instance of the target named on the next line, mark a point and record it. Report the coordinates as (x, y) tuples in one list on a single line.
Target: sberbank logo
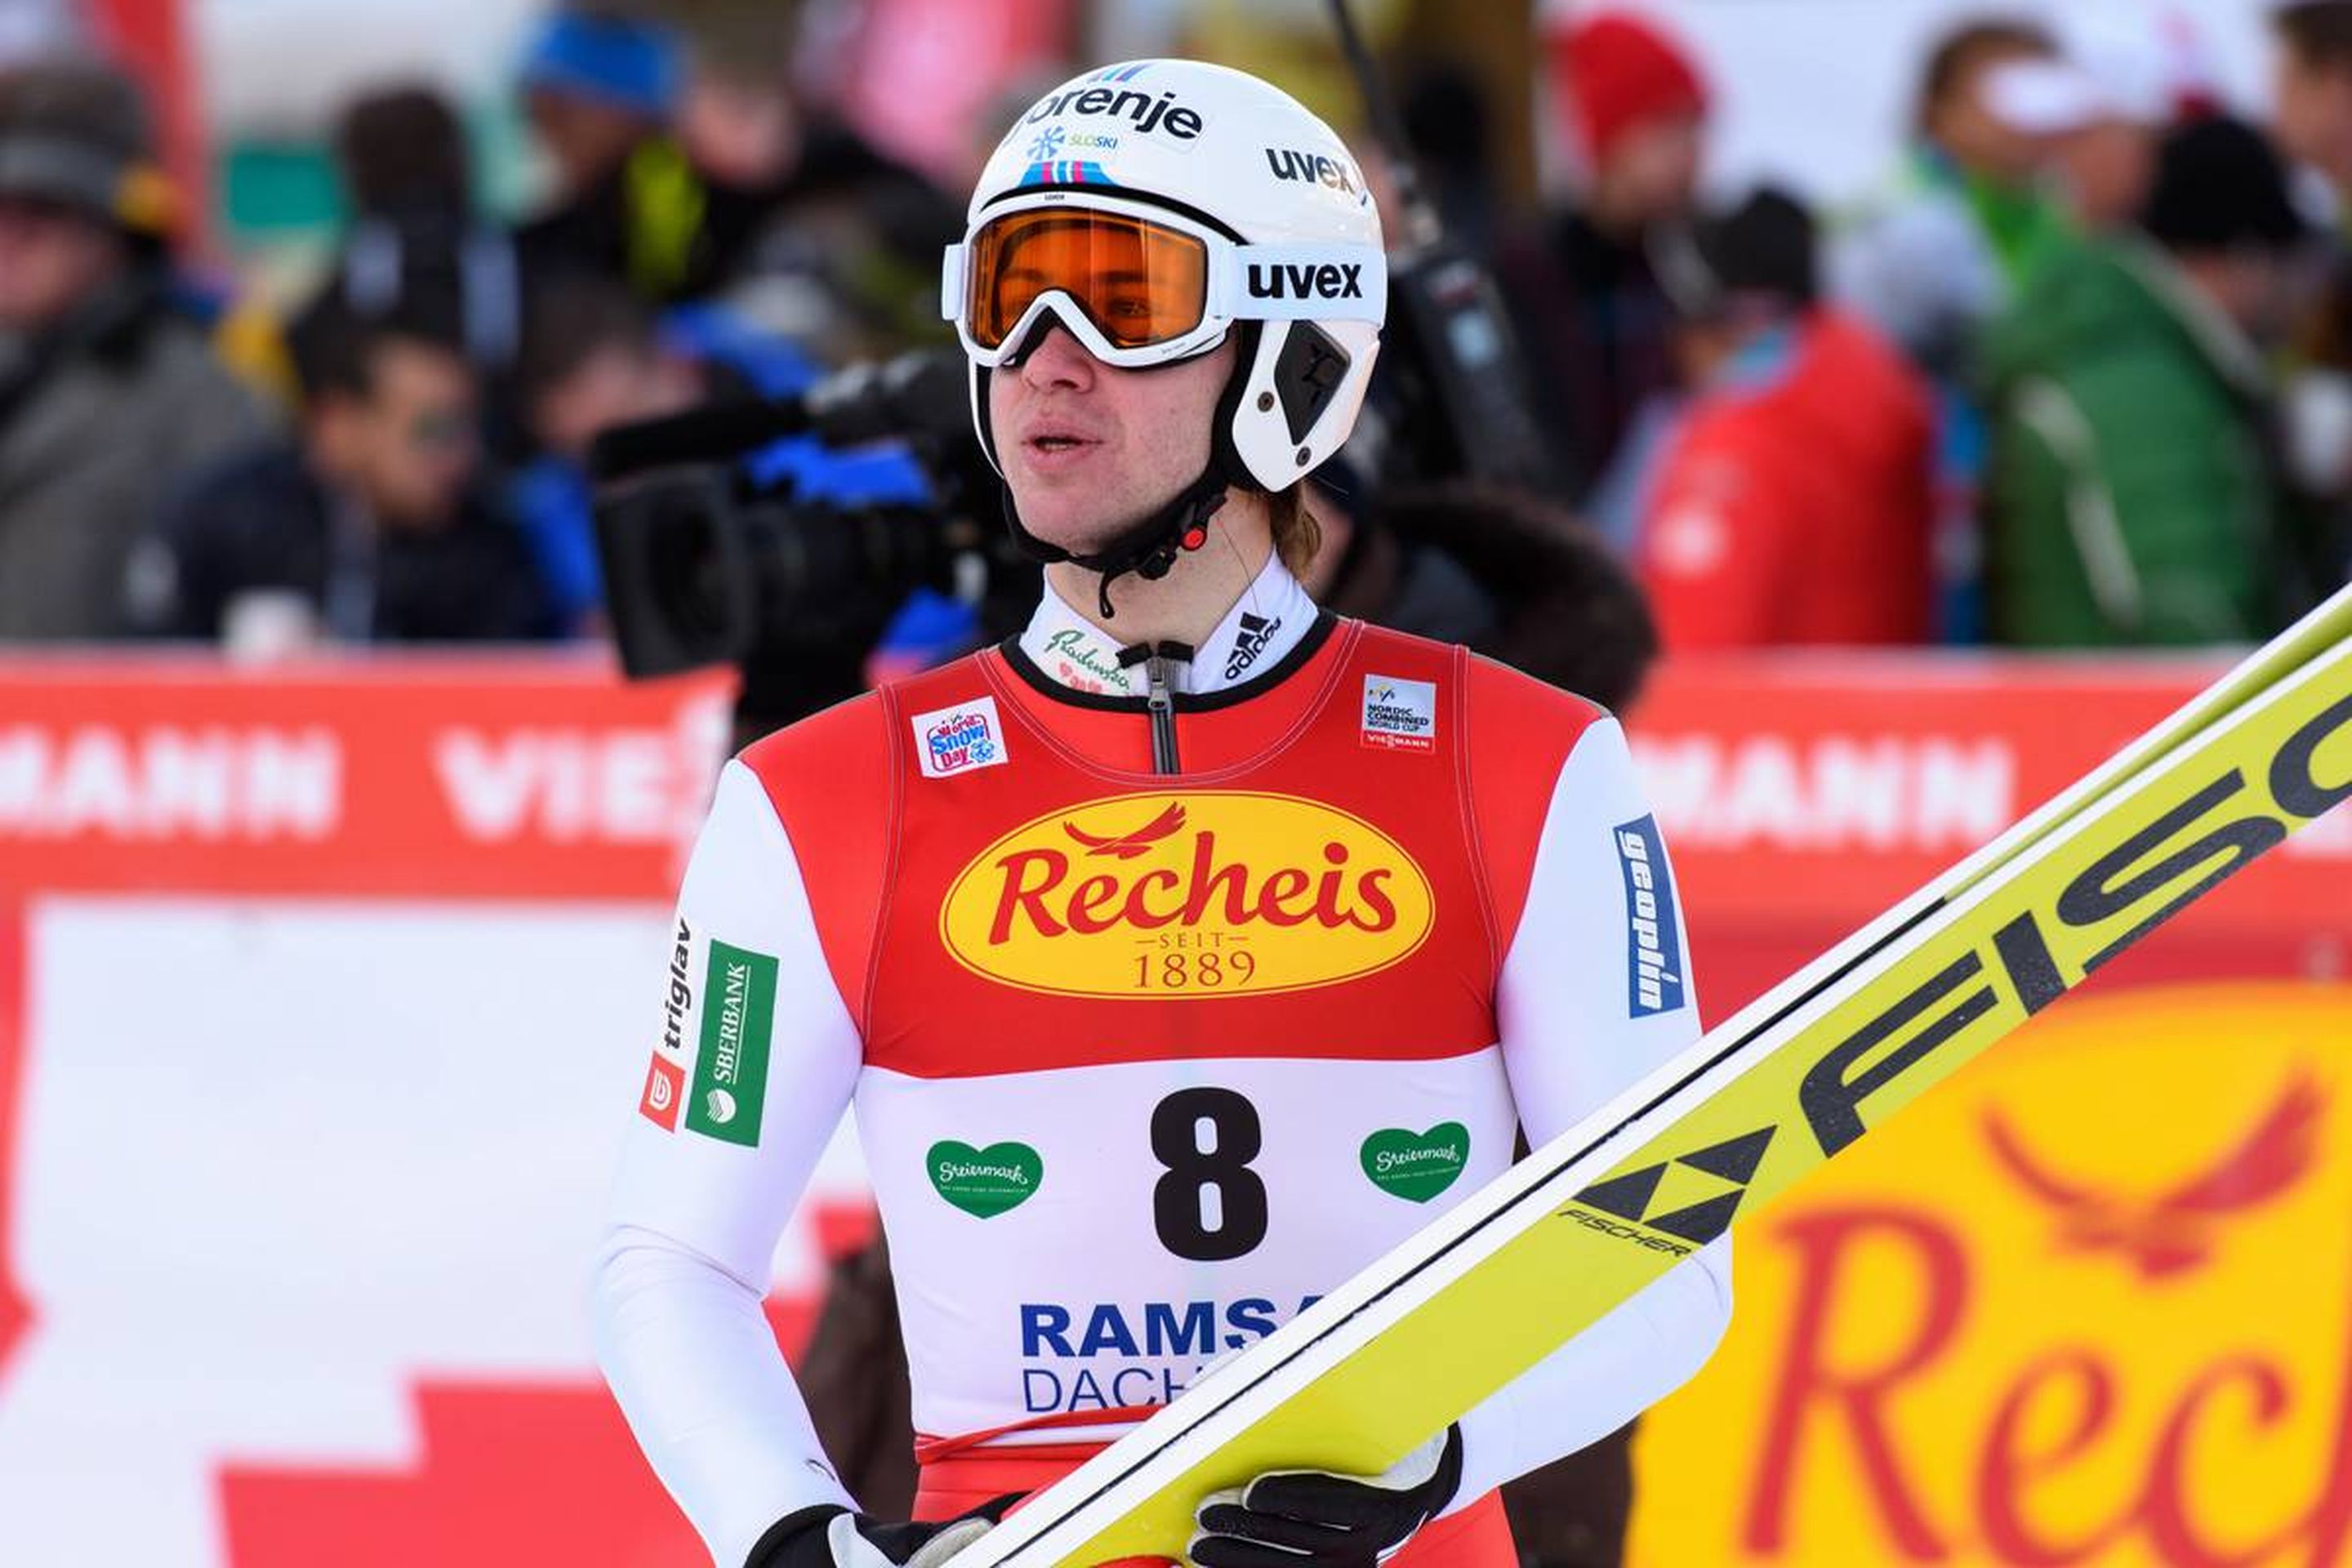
[(1416, 1166), (984, 1182), (730, 1069)]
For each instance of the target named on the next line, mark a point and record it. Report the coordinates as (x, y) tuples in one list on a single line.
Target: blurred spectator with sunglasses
[(108, 391), (375, 526)]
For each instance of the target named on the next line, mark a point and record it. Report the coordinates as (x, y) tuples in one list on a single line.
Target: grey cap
[(78, 133)]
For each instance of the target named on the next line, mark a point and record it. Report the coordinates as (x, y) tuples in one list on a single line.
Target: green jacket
[(2129, 499)]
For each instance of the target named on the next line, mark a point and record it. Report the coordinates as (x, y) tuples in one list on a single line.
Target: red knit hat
[(1614, 71)]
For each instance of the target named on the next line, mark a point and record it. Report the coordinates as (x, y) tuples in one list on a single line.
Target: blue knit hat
[(628, 64)]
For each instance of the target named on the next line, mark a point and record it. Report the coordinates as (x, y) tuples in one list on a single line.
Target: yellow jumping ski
[(1523, 1265)]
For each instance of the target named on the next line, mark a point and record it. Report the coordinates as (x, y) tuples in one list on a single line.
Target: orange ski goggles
[(1138, 285)]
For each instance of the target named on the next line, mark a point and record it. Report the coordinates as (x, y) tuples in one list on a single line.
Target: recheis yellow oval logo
[(1203, 893)]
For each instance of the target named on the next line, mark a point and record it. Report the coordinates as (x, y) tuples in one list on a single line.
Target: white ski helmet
[(1245, 209)]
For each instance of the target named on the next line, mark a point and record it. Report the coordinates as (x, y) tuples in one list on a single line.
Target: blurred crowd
[(2071, 377), (2077, 373)]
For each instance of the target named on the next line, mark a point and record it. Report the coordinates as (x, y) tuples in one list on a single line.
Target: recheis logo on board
[(2090, 1307)]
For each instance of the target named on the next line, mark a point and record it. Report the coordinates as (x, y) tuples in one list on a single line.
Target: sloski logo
[(959, 740), (1416, 1167), (1654, 947), (1256, 633), (984, 1182), (1400, 715), (1055, 143)]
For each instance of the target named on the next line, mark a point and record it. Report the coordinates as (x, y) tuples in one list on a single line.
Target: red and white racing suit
[(1142, 1060)]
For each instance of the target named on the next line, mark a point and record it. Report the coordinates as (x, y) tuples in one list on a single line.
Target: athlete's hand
[(1305, 1519), (828, 1537)]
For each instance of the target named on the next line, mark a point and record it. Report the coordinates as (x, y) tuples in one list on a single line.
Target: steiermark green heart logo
[(985, 1181), (1417, 1166)]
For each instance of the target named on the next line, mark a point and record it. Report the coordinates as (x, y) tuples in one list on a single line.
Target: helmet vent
[(1307, 375)]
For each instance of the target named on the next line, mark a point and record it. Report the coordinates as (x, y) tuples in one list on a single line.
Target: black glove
[(1305, 1519), (831, 1537)]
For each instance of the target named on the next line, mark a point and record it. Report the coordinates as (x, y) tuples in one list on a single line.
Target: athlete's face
[(1090, 450)]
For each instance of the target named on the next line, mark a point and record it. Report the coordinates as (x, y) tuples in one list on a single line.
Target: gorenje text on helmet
[(1147, 113)]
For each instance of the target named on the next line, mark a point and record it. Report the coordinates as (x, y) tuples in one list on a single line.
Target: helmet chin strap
[(1150, 549)]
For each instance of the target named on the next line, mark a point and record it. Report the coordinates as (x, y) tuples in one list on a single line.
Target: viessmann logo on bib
[(1199, 894)]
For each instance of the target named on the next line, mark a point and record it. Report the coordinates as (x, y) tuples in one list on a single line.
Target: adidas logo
[(1256, 631), (1632, 1196)]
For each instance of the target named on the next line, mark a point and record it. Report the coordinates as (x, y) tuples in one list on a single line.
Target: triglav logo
[(680, 1002), (1296, 280), (665, 1081), (1210, 893)]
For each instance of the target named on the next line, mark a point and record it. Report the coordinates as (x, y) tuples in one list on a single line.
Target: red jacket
[(1797, 508)]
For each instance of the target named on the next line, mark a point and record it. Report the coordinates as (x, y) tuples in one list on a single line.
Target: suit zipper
[(1161, 702), (1159, 695)]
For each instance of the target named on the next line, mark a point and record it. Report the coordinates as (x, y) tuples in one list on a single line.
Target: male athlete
[(1180, 957)]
